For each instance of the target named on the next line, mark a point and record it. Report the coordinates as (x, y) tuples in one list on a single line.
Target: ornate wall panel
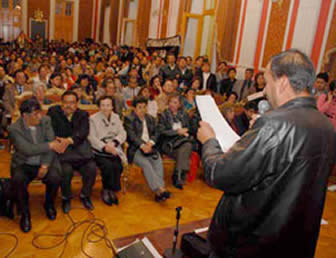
[(33, 5), (276, 30), (227, 21)]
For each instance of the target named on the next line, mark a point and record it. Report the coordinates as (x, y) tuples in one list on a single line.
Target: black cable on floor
[(95, 232), (16, 242)]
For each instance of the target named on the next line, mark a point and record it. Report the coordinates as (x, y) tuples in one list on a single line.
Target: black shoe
[(25, 223), (159, 198), (87, 203), (166, 194), (114, 197), (106, 198), (66, 205), (50, 211), (178, 185)]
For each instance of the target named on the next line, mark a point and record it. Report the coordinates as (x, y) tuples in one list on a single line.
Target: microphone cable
[(95, 231), (11, 251)]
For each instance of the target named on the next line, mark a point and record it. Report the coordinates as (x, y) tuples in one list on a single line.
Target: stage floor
[(136, 213)]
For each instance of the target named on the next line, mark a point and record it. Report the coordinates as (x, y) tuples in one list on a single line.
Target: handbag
[(175, 143)]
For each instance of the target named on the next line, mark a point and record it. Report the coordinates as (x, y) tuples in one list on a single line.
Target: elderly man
[(34, 157), (15, 89), (275, 176)]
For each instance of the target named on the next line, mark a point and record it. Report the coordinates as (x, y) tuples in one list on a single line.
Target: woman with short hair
[(106, 136)]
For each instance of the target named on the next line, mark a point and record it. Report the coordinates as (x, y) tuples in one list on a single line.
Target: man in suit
[(185, 74), (170, 70), (71, 126), (15, 89), (208, 79), (245, 87), (34, 157)]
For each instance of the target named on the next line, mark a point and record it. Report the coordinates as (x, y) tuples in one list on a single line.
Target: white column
[(154, 19), (98, 20), (174, 8), (93, 18), (24, 16), (52, 19), (121, 3), (75, 20), (250, 33), (306, 23)]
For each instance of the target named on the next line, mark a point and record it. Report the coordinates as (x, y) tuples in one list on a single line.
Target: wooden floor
[(136, 213)]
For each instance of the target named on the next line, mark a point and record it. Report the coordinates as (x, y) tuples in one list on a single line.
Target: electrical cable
[(16, 243), (95, 232)]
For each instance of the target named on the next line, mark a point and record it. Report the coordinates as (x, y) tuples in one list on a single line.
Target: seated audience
[(39, 93), (175, 138), (33, 138), (142, 136), (155, 86), (326, 103), (84, 99), (208, 79), (220, 74), (162, 99), (320, 85), (15, 89), (131, 90), (243, 119), (185, 74), (106, 136), (228, 83), (169, 70), (71, 127), (55, 85), (196, 83), (259, 82), (152, 107), (245, 87), (189, 99), (229, 115)]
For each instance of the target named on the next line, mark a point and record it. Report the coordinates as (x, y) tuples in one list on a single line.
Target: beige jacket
[(103, 131)]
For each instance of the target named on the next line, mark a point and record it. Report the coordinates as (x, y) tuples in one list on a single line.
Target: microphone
[(263, 107), (174, 252)]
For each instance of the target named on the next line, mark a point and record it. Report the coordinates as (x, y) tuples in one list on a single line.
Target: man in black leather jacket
[(275, 176)]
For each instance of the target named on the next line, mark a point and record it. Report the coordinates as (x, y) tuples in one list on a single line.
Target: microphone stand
[(173, 252)]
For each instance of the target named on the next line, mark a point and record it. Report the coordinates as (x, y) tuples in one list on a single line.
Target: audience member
[(106, 136), (33, 138), (71, 127), (142, 137), (175, 138)]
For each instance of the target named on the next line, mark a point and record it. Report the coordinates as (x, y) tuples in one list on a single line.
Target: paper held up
[(210, 113), (254, 96)]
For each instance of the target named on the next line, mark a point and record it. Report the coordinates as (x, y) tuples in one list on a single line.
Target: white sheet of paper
[(210, 113), (254, 96)]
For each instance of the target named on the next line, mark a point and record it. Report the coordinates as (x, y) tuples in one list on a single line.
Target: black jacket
[(274, 179), (77, 129), (134, 126), (167, 73), (185, 77), (227, 86), (211, 82)]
